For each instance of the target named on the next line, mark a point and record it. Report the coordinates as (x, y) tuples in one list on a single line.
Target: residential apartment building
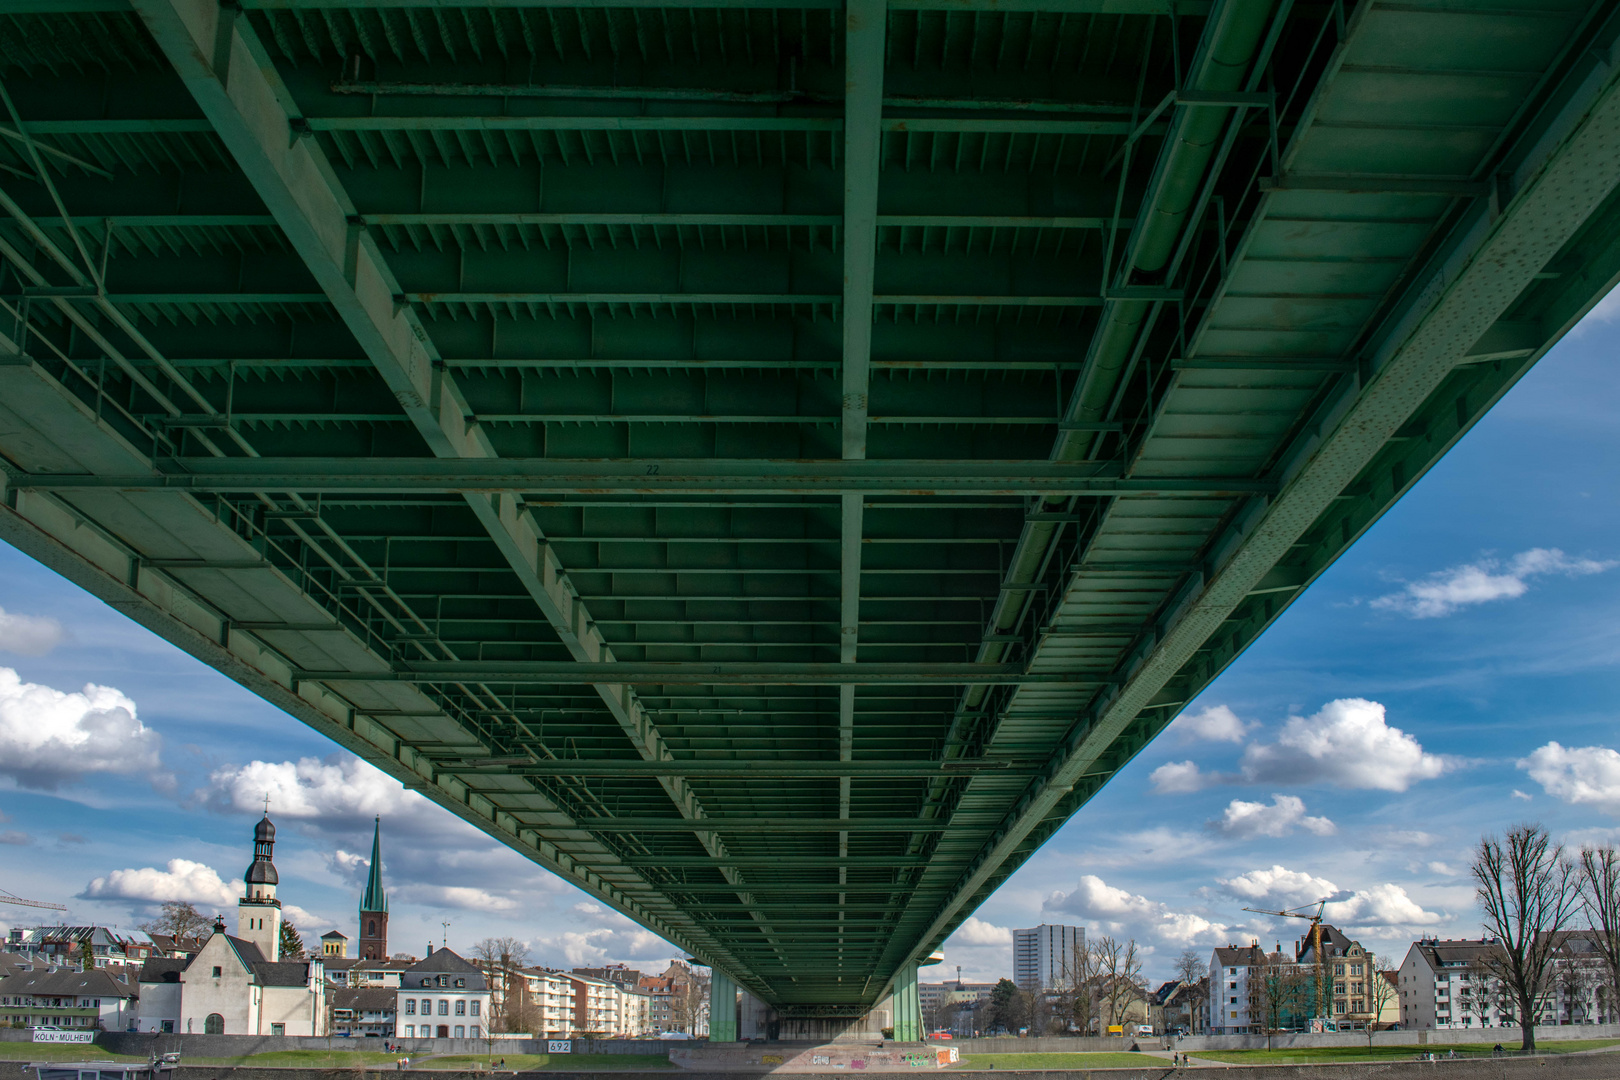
[(368, 1011), (546, 1005), (1347, 974), (65, 945), (1044, 956), (62, 997), (1234, 997), (442, 997), (1447, 984), (596, 1006)]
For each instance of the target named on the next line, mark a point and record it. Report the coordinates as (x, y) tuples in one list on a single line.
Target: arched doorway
[(214, 1025)]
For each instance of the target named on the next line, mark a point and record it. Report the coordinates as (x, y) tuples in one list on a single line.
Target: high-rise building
[(374, 905), (1044, 956)]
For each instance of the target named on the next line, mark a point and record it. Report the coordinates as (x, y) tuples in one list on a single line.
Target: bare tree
[(499, 958), (1528, 892), (1118, 969), (1380, 994), (1600, 896), (1193, 974), (1280, 989), (178, 920)]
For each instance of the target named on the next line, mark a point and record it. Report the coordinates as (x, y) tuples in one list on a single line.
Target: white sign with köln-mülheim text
[(559, 1046), (65, 1036)]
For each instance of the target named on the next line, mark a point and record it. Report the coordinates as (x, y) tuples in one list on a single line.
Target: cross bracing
[(770, 463)]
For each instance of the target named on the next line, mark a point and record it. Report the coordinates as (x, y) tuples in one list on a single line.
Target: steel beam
[(1494, 256), (775, 768), (233, 79), (507, 476), (699, 673)]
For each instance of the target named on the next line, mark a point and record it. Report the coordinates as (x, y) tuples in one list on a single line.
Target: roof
[(364, 999), (1460, 952), (1238, 956), (281, 973), (333, 934), (446, 962), (163, 969), (62, 982)]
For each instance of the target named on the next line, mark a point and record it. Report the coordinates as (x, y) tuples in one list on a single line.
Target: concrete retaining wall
[(1568, 1067), (1508, 1037), (227, 1046)]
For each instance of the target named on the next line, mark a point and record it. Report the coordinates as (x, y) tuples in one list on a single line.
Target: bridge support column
[(722, 1007), (907, 1006)]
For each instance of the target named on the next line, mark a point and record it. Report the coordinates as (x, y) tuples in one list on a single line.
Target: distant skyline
[(1454, 673)]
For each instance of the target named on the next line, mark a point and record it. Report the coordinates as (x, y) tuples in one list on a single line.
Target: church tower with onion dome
[(258, 914), (374, 905)]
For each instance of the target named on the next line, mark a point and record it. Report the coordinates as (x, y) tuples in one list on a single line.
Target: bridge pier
[(907, 1005), (722, 1007)]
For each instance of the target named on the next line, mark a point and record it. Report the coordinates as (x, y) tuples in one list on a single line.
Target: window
[(472, 1032), (214, 1024), (444, 1006), (216, 971), (461, 1032), (424, 982), (410, 1006), (427, 1006), (444, 980), (460, 983), (410, 1031), (461, 1008), (371, 927), (475, 1008), (278, 1029)]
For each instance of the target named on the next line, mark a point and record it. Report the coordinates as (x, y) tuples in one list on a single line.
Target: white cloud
[(1179, 778), (459, 896), (1217, 723), (1443, 869), (182, 879), (1348, 744), (978, 932), (31, 635), (1284, 887), (1382, 906), (1110, 910), (585, 907), (1581, 776), (1604, 312), (1285, 814), (1444, 591), (49, 738), (329, 790), (15, 838), (1525, 795)]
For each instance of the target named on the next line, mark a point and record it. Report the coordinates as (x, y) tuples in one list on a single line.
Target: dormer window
[(460, 983), (426, 982), (444, 980)]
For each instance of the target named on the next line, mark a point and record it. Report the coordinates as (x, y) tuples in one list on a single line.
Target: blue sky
[(1454, 673)]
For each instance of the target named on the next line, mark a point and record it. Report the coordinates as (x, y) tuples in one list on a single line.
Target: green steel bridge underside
[(770, 462)]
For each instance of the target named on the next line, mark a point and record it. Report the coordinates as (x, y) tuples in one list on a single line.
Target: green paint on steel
[(776, 475)]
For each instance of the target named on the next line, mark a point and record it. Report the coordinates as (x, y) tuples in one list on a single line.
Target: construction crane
[(1316, 937), (11, 898)]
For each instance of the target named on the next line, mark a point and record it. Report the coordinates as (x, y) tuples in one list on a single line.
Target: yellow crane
[(12, 898), (1316, 937)]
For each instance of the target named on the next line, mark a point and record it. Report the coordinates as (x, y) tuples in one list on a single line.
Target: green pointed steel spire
[(374, 899)]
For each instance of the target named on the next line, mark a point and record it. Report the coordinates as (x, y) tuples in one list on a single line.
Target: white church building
[(239, 985)]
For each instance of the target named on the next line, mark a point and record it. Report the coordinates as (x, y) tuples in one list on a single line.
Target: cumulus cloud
[(1180, 777), (1217, 723), (1348, 744), (978, 932), (1285, 814), (1580, 776), (339, 791), (1445, 591), (1285, 888), (49, 738), (181, 879), (1117, 911), (1380, 907), (31, 635)]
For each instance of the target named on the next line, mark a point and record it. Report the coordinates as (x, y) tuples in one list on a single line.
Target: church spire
[(374, 905), (375, 899)]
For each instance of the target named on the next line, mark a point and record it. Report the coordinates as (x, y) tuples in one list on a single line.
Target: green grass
[(1329, 1054), (551, 1062), (305, 1059), (21, 1051), (1122, 1060)]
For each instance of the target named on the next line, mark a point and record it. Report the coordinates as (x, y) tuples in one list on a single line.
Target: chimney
[(430, 948)]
